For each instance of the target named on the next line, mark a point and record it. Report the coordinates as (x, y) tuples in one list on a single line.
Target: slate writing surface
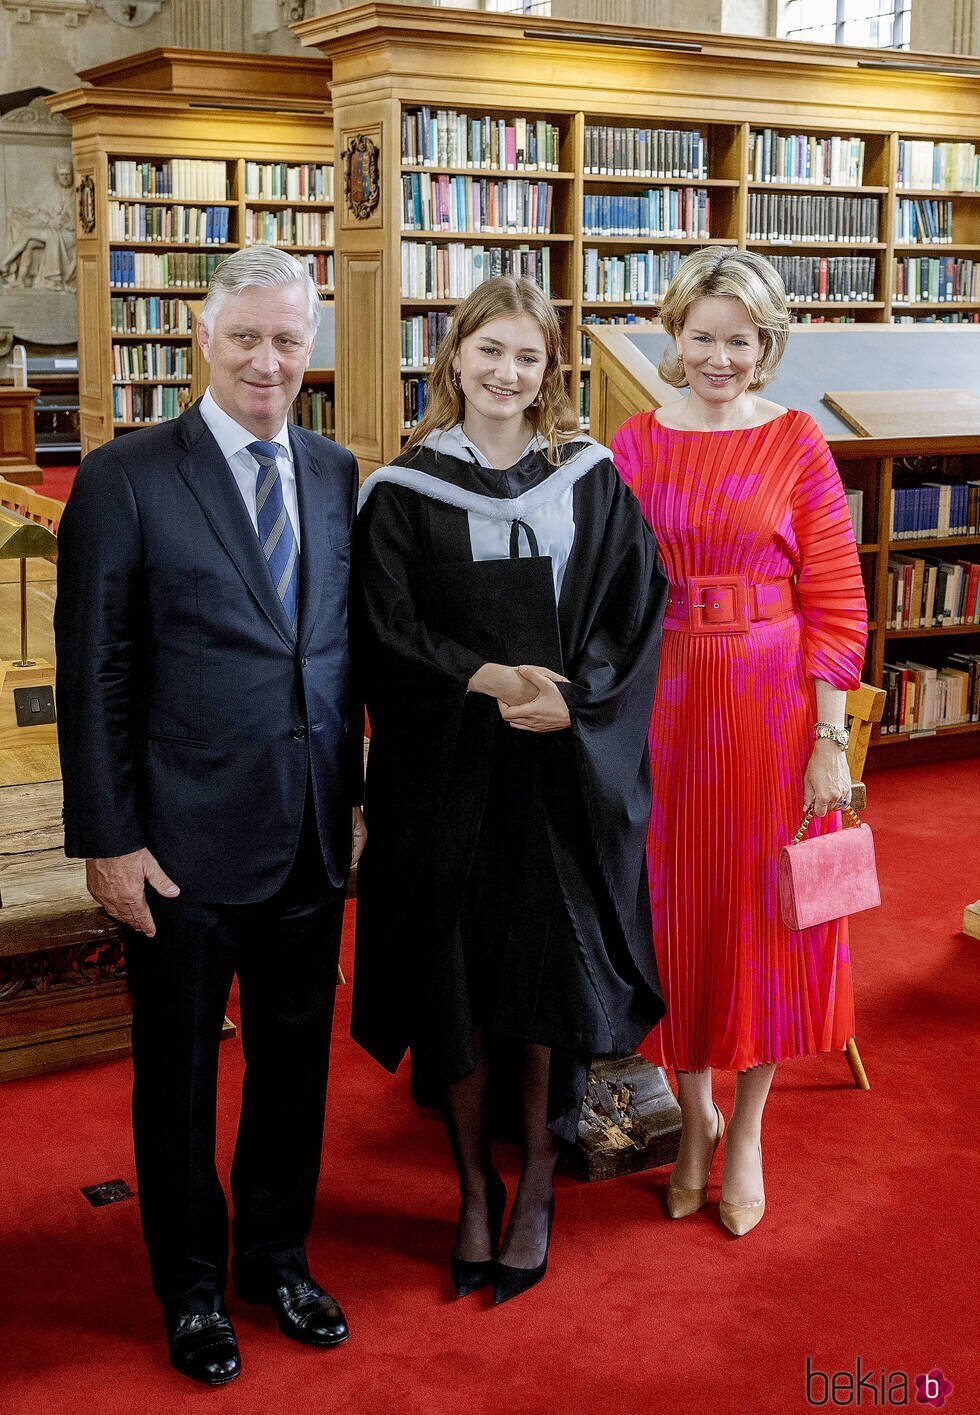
[(873, 359)]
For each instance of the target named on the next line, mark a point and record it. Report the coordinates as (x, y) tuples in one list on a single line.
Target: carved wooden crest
[(362, 176), (86, 205)]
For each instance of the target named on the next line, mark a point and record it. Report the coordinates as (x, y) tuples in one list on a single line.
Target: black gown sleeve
[(415, 686), (613, 617), (619, 615)]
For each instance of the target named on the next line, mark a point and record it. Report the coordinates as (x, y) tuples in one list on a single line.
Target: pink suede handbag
[(827, 876)]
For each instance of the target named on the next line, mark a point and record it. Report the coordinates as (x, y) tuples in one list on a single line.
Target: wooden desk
[(17, 435)]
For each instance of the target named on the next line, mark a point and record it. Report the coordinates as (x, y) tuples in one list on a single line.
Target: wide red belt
[(727, 604)]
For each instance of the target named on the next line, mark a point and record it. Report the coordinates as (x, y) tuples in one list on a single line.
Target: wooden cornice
[(387, 50), (117, 102), (367, 22), (206, 73)]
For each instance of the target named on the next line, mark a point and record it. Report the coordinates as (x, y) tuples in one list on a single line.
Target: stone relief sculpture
[(42, 250), (37, 227)]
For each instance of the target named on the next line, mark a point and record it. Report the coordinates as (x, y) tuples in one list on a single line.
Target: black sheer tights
[(469, 1134)]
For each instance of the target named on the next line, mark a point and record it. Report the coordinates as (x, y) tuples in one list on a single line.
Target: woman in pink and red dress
[(765, 631)]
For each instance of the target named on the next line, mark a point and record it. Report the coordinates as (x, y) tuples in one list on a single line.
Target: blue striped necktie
[(275, 529)]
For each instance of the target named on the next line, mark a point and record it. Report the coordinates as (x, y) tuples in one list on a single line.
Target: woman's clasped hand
[(526, 695)]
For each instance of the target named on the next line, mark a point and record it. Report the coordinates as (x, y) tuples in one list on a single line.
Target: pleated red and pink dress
[(732, 730)]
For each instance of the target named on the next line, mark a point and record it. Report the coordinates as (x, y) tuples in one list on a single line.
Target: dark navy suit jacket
[(190, 717)]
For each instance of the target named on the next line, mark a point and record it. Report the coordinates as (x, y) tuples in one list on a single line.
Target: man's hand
[(119, 885), (548, 712), (358, 835)]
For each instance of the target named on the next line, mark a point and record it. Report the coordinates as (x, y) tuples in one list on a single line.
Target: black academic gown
[(504, 881)]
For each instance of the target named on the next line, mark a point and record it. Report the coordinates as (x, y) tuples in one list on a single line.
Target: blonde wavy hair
[(551, 414), (740, 275)]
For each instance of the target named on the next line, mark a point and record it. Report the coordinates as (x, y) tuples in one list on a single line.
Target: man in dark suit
[(211, 756)]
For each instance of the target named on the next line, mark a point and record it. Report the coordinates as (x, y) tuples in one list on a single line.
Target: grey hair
[(258, 265)]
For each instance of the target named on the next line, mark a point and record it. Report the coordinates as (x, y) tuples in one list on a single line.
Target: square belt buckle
[(718, 604)]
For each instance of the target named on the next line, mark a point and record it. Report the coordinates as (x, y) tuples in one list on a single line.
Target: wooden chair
[(865, 705)]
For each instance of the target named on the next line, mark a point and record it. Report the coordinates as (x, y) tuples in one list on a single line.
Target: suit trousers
[(285, 952)]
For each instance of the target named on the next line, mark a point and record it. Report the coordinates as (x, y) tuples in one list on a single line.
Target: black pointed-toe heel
[(470, 1277), (510, 1282)]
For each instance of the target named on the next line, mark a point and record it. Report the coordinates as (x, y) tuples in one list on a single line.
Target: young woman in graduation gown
[(509, 603)]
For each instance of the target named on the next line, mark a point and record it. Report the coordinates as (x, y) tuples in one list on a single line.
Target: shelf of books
[(482, 194), (820, 192), (650, 194), (930, 651), (170, 222), (917, 523), (936, 203), (823, 207), (176, 180), (812, 203), (291, 205)]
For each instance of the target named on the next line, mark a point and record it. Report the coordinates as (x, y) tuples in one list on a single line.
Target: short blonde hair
[(739, 275)]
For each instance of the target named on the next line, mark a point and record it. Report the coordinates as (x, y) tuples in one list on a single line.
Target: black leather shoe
[(510, 1282), (204, 1347), (304, 1312), (468, 1276)]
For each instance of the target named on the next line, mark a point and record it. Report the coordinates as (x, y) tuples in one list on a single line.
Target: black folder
[(503, 610)]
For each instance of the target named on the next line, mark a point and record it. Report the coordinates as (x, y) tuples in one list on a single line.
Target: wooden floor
[(40, 609)]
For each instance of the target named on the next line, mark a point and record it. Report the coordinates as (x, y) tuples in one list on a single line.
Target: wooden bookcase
[(389, 60), (515, 250), (180, 109)]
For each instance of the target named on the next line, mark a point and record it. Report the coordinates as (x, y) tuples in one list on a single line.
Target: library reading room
[(472, 455)]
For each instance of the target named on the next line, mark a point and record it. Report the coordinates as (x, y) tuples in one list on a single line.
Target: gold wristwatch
[(836, 734)]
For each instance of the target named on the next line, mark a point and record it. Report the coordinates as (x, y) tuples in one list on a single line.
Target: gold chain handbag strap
[(808, 817)]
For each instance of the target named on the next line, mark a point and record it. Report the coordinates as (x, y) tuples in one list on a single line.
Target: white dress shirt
[(233, 439), (552, 518)]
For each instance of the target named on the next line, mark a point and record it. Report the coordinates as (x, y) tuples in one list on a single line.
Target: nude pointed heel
[(683, 1202), (740, 1219)]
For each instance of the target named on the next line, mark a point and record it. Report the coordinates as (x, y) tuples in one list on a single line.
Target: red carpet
[(864, 1252), (57, 482)]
